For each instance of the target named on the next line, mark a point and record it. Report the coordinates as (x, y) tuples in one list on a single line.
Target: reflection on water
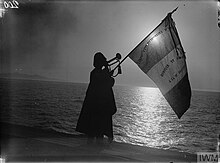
[(143, 117), (149, 120)]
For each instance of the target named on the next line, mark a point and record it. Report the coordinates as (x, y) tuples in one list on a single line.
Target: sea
[(143, 115)]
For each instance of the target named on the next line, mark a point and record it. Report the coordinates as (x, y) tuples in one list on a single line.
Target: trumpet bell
[(118, 56)]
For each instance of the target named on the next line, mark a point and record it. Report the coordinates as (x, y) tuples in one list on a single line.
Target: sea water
[(143, 115)]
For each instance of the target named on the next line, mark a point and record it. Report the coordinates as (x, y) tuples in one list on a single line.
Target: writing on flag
[(161, 56)]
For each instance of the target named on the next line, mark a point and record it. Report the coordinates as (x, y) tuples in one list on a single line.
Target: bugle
[(113, 61)]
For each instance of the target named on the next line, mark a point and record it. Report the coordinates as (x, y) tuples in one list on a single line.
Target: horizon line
[(131, 85)]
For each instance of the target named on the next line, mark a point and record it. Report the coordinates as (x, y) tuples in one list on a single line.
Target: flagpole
[(144, 39)]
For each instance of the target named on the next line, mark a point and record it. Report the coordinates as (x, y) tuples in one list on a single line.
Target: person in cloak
[(95, 119)]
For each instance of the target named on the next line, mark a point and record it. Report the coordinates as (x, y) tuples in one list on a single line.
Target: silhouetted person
[(95, 119)]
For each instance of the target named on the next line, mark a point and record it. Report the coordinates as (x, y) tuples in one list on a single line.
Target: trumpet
[(116, 59)]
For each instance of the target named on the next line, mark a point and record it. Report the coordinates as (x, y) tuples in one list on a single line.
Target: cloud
[(32, 34)]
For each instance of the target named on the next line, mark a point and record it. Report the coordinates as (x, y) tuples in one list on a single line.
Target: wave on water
[(143, 116)]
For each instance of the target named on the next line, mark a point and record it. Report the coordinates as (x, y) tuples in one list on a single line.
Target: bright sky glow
[(59, 40)]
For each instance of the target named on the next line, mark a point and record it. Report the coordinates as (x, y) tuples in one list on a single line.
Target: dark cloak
[(99, 105)]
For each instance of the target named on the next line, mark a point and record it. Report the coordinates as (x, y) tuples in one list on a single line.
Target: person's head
[(99, 60)]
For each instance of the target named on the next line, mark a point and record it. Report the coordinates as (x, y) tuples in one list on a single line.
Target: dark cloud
[(32, 33)]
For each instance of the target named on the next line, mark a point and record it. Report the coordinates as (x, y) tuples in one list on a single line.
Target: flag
[(160, 55)]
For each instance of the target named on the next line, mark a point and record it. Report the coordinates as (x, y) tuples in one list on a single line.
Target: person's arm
[(110, 81)]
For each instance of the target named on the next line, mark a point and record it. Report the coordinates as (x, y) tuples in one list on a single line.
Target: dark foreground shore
[(27, 144)]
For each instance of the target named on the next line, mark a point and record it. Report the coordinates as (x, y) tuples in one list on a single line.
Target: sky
[(58, 39)]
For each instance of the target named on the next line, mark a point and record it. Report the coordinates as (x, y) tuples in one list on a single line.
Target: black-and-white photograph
[(110, 81)]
